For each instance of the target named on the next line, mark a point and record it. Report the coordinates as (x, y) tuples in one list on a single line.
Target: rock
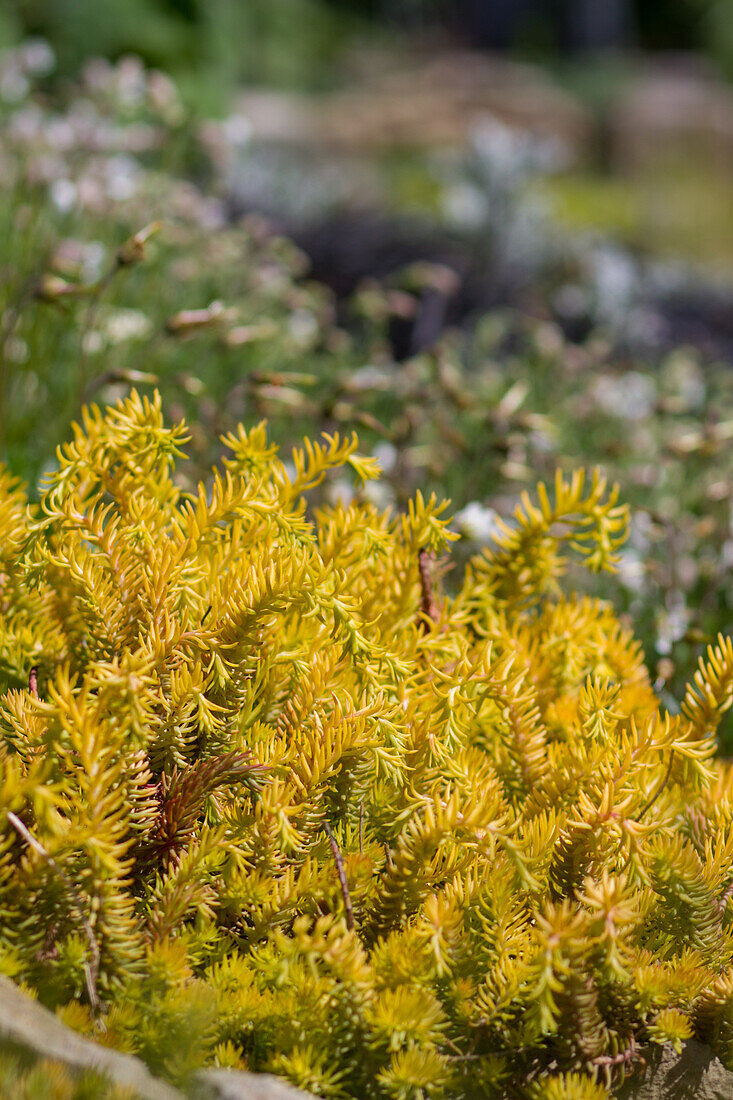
[(670, 111), (227, 1084), (26, 1024), (695, 1073)]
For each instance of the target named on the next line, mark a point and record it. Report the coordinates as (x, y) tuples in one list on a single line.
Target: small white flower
[(14, 85), (92, 343), (63, 195), (59, 134), (630, 569), (378, 493), (16, 350), (671, 626), (340, 491), (26, 123), (123, 177), (477, 522), (386, 455), (125, 324), (38, 57), (370, 378), (630, 396), (131, 81), (303, 327), (94, 255)]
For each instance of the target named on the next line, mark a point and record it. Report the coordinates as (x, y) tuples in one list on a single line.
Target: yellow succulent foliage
[(270, 799)]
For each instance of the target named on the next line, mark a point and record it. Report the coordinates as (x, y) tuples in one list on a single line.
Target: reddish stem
[(428, 606), (341, 874)]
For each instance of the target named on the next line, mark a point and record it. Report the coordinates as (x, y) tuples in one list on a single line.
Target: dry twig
[(339, 860), (428, 606), (91, 966), (661, 787)]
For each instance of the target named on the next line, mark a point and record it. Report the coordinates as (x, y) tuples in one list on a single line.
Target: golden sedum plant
[(271, 799)]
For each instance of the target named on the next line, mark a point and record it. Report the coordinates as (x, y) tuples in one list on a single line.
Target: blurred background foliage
[(208, 45), (211, 45)]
